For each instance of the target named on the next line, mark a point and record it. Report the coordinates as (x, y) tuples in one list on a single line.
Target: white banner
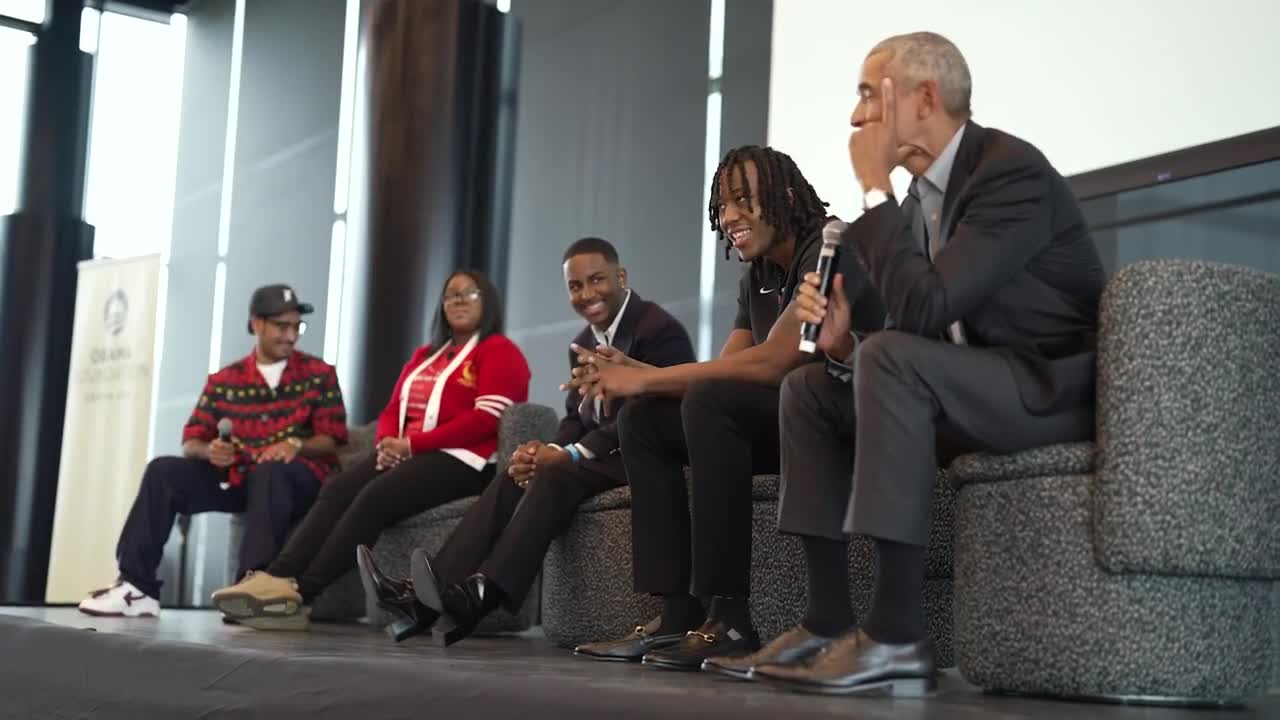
[(108, 421)]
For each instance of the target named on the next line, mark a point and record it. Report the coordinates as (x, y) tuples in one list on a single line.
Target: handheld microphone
[(224, 434), (224, 429), (827, 261)]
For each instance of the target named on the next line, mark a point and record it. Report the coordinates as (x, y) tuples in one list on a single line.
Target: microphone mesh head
[(833, 231), (224, 427)]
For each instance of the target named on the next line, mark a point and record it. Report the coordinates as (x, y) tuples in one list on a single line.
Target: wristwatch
[(295, 442)]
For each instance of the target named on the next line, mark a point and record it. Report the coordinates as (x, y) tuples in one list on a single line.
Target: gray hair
[(921, 56)]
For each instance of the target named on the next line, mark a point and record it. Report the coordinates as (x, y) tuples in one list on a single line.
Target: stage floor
[(189, 664)]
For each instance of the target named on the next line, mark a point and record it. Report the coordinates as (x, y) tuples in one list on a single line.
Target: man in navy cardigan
[(494, 555)]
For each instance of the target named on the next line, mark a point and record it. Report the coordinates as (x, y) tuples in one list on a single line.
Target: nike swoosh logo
[(130, 597), (766, 291)]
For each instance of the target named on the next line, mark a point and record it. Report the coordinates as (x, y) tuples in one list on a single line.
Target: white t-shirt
[(271, 373)]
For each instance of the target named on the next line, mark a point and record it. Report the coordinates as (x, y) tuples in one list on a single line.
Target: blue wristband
[(574, 453)]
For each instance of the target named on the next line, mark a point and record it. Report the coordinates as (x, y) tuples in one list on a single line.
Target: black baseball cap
[(270, 300)]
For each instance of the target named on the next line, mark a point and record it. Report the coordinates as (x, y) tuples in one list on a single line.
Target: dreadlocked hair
[(798, 215)]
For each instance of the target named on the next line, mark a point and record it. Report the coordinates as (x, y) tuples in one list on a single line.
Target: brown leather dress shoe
[(792, 645), (857, 665)]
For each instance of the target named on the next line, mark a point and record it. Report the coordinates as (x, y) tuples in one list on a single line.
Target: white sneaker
[(120, 600)]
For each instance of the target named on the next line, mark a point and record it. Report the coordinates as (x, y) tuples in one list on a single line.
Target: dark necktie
[(912, 209)]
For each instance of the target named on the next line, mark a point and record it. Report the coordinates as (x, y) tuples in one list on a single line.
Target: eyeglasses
[(285, 326), (465, 296)]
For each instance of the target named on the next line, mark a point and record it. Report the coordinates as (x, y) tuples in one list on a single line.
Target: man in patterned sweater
[(260, 441)]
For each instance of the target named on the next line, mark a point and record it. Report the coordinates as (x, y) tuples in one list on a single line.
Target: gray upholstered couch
[(345, 600), (587, 586), (1145, 565)]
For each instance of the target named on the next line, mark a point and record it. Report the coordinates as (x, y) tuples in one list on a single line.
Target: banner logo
[(115, 315)]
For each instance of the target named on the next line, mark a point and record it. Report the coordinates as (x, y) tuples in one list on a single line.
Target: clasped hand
[(391, 452), (606, 373), (527, 458)]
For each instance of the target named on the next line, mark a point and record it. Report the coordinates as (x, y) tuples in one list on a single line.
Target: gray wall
[(281, 212), (610, 142), (286, 155)]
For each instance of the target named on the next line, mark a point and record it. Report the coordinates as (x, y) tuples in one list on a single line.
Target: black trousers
[(505, 535), (272, 497), (356, 505), (863, 457), (725, 431)]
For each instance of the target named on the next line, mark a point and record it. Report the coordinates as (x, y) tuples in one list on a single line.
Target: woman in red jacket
[(436, 442)]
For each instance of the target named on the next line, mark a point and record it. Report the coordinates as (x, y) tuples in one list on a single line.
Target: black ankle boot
[(395, 597), (465, 605)]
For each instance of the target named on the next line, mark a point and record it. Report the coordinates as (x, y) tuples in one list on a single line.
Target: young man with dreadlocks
[(719, 417)]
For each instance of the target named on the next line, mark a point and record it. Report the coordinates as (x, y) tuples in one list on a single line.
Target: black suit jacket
[(1019, 269), (646, 333)]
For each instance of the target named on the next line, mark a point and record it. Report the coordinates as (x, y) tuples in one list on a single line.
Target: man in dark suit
[(992, 283), (494, 554)]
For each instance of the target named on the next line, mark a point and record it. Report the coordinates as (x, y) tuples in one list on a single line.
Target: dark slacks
[(505, 535), (272, 497), (725, 431), (863, 457), (356, 505)]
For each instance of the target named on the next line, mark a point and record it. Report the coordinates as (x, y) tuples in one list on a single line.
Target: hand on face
[(874, 148)]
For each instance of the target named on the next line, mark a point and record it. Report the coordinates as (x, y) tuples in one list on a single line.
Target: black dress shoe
[(395, 597), (631, 648), (713, 639), (426, 583), (855, 665), (465, 605), (793, 645)]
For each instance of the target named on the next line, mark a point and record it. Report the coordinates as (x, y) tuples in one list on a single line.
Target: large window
[(29, 10), (133, 137), (14, 50)]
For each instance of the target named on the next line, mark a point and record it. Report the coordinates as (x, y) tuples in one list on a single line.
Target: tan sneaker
[(263, 601)]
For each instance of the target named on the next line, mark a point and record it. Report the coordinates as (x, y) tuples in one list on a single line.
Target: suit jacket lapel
[(622, 340), (626, 334), (961, 169)]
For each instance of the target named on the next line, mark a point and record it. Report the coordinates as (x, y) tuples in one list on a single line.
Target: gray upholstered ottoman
[(1144, 567), (587, 584)]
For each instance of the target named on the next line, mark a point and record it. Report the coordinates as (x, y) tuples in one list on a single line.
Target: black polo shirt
[(766, 289)]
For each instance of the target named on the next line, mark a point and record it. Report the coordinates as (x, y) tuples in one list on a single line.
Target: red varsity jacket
[(485, 378)]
